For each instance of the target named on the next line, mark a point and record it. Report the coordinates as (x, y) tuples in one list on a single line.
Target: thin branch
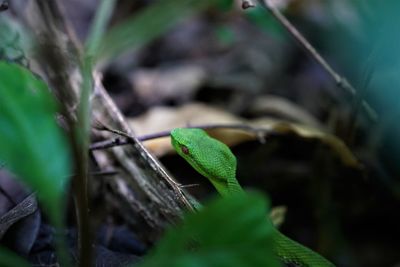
[(126, 141), (107, 144), (104, 173), (339, 80), (259, 132)]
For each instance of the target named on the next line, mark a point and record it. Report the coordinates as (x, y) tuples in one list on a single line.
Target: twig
[(22, 209), (260, 133), (189, 185), (339, 80), (107, 144), (104, 173)]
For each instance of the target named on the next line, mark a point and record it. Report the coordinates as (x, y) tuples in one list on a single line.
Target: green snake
[(215, 161)]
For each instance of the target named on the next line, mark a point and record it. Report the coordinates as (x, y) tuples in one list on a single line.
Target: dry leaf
[(166, 118)]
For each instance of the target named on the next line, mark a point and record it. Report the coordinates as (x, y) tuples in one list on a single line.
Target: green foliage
[(92, 45), (231, 231), (10, 259), (265, 22), (14, 40), (225, 35), (224, 5), (98, 27), (31, 143), (150, 23)]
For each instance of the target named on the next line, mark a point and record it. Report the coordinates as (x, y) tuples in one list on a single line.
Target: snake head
[(210, 157)]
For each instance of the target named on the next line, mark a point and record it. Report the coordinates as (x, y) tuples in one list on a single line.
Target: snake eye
[(185, 150)]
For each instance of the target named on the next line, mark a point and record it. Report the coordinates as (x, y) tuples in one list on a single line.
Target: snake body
[(215, 161)]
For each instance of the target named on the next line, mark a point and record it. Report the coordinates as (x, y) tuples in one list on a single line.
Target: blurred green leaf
[(92, 45), (149, 24), (225, 35), (98, 27), (10, 259), (224, 5), (266, 22), (230, 232), (14, 41), (31, 143)]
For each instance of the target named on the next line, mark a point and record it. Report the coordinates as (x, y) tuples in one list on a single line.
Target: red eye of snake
[(185, 150)]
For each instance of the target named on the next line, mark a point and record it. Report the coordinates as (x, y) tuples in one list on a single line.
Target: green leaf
[(31, 143), (98, 27), (14, 41), (10, 259), (265, 22), (150, 23), (230, 232)]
